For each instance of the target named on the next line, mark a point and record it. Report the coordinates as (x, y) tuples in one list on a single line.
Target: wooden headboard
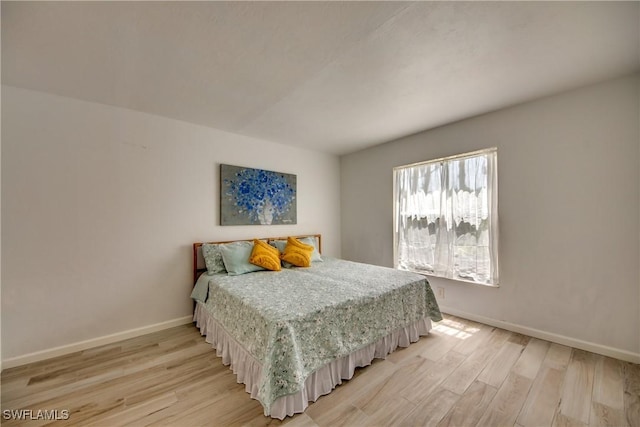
[(198, 261)]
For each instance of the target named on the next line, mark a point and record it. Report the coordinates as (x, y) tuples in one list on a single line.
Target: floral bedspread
[(295, 321)]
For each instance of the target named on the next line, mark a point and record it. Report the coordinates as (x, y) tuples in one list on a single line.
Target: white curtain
[(446, 218)]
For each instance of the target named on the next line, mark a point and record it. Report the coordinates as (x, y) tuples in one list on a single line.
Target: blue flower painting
[(256, 196)]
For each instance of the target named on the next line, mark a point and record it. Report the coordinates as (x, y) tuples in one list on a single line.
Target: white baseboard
[(94, 342), (132, 333), (616, 353)]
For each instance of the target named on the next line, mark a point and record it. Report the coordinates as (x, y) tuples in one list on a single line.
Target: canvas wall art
[(256, 196)]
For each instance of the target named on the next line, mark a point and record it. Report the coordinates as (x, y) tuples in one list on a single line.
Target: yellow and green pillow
[(297, 253), (265, 256)]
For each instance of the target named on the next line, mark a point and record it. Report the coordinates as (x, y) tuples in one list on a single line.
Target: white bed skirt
[(249, 370)]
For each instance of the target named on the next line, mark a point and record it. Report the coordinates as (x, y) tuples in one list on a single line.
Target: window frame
[(493, 215)]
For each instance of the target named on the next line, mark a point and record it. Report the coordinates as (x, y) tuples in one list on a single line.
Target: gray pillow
[(315, 255), (236, 258), (213, 259)]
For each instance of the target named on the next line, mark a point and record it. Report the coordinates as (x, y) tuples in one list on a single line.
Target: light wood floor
[(463, 374)]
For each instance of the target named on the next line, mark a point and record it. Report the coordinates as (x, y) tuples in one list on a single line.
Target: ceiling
[(328, 76)]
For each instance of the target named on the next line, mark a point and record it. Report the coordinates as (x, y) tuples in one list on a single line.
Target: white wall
[(100, 206), (0, 235), (569, 211)]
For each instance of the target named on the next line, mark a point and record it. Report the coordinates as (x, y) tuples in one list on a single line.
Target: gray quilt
[(296, 320)]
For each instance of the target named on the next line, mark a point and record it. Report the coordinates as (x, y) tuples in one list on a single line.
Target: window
[(446, 217)]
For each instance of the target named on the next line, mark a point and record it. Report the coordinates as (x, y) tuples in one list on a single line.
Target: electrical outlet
[(440, 292)]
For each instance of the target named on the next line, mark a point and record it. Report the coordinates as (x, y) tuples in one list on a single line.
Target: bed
[(293, 335)]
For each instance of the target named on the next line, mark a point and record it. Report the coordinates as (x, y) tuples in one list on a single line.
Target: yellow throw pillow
[(265, 256), (297, 253)]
